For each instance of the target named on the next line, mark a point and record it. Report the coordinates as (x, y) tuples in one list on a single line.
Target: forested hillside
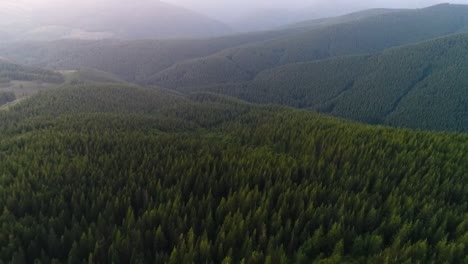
[(361, 36), (419, 86), (344, 18), (10, 71), (130, 60), (17, 81), (242, 57), (128, 175)]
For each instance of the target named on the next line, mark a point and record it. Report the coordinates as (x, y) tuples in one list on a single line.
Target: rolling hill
[(420, 86), (315, 14), (240, 57), (344, 18), (361, 36), (116, 173), (10, 71), (18, 81), (133, 61)]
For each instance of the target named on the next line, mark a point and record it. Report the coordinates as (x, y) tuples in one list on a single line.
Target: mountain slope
[(114, 173), (241, 57), (419, 86), (18, 81), (131, 60), (344, 18), (10, 71), (361, 36)]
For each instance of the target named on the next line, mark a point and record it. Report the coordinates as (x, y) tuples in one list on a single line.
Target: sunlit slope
[(420, 86), (361, 36), (110, 173)]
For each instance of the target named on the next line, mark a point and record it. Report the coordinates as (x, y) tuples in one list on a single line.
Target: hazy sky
[(252, 4), (220, 8)]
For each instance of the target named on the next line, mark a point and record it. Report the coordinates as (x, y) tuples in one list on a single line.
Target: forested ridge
[(361, 36), (418, 86), (345, 18), (135, 60), (241, 57), (351, 66), (17, 81), (129, 175), (10, 71)]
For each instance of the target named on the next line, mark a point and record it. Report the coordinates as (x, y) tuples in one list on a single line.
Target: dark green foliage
[(90, 174), (419, 86), (360, 36)]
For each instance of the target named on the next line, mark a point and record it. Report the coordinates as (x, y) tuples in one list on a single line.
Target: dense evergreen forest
[(123, 174), (418, 86)]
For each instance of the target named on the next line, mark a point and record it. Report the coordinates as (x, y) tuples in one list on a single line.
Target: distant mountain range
[(124, 20), (362, 35)]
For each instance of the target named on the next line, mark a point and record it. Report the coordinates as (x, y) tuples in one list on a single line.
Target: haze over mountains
[(149, 19), (124, 19), (244, 15), (262, 67)]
